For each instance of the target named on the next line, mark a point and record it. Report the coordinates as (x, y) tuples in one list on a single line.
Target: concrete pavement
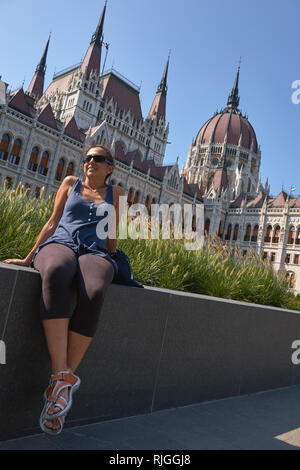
[(267, 420)]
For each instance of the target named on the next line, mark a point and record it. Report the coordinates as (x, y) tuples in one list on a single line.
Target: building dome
[(228, 122), (231, 123)]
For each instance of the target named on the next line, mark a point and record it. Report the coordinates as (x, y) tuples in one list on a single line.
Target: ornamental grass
[(214, 269), (21, 220)]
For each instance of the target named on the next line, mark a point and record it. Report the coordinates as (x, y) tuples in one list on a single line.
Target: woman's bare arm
[(50, 226)]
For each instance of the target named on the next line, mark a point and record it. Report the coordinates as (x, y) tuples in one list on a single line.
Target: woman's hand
[(20, 262)]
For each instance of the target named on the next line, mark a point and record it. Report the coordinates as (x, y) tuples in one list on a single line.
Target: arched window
[(4, 144), (255, 233), (32, 164), (8, 182), (268, 234), (37, 191), (15, 152), (292, 233), (298, 236), (59, 169), (228, 233), (27, 189), (290, 279), (147, 202), (275, 238), (247, 233), (206, 227), (249, 185), (43, 166), (220, 229), (235, 232), (70, 169), (193, 223), (136, 197), (129, 197), (209, 182)]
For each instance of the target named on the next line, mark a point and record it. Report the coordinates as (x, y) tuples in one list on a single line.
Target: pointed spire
[(98, 34), (158, 108), (41, 68), (36, 87), (234, 99), (267, 183), (162, 87), (92, 57)]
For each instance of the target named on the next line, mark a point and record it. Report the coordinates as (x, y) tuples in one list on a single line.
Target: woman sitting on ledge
[(68, 248)]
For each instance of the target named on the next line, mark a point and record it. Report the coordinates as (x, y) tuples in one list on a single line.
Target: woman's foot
[(55, 423), (58, 400), (56, 428)]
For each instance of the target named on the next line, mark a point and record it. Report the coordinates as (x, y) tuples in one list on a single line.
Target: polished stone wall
[(154, 349)]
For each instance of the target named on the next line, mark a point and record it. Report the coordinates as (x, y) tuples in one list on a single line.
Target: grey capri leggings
[(60, 268)]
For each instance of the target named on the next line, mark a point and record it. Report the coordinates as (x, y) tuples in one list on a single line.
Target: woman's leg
[(94, 276), (77, 347), (57, 265)]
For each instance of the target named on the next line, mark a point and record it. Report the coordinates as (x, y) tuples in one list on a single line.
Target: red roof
[(158, 108), (47, 117), (239, 201), (258, 201), (72, 130), (126, 97), (92, 59), (119, 153), (60, 83), (232, 122), (158, 172), (196, 188), (36, 86), (188, 188), (279, 201), (296, 202), (137, 162), (20, 103)]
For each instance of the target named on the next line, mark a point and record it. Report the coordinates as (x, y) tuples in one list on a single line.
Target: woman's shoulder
[(69, 181)]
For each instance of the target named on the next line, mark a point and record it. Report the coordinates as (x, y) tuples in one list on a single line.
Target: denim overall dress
[(77, 226)]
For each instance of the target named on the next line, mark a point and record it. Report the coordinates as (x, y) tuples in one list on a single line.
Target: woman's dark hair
[(107, 151)]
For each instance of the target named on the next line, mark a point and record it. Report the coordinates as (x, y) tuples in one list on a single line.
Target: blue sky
[(206, 41)]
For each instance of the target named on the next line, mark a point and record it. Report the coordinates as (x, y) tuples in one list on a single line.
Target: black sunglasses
[(97, 159)]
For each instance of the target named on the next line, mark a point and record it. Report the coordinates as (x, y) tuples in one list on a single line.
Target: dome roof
[(230, 121)]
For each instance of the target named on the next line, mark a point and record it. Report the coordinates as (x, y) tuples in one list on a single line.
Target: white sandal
[(58, 382)]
